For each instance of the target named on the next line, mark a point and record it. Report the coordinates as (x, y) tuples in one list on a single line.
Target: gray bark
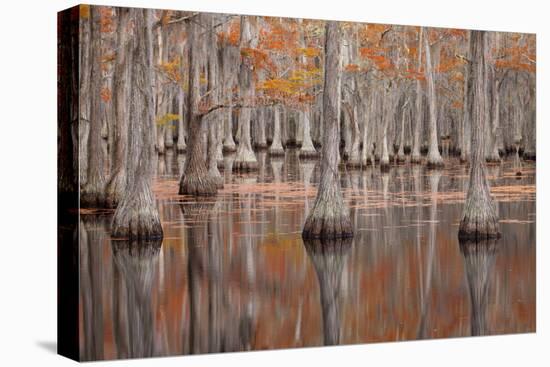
[(196, 179), (245, 159), (276, 148), (117, 182), (214, 99), (419, 117), (329, 217), (92, 193), (137, 216), (479, 219), (434, 157)]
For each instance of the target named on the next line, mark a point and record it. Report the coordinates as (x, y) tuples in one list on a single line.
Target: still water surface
[(232, 272)]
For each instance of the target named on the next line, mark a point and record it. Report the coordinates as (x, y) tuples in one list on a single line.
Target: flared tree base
[(529, 156), (218, 181), (400, 158), (229, 149), (276, 152), (435, 163), (384, 165), (115, 190), (137, 222), (245, 166), (198, 186), (416, 159), (475, 230), (181, 149), (354, 164), (92, 195), (308, 154), (327, 227), (493, 159)]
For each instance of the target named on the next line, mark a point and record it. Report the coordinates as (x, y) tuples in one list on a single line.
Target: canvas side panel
[(67, 182)]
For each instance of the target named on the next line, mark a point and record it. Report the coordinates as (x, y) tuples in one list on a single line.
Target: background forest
[(208, 85)]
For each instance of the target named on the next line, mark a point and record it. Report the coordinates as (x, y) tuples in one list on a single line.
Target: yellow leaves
[(281, 85), (172, 69), (84, 11), (293, 90), (309, 51), (167, 118)]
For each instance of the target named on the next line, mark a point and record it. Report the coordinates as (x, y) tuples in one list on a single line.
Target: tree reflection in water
[(91, 286), (217, 323), (479, 261), (136, 263), (328, 258), (233, 273)]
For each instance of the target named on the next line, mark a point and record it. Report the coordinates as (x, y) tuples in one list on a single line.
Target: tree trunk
[(117, 182), (213, 119), (387, 117), (182, 133), (276, 148), (307, 150), (434, 157), (354, 160), (92, 194), (196, 179), (329, 217), (401, 151), (245, 159), (84, 99), (479, 219), (137, 216), (467, 108), (494, 155), (260, 142), (228, 141)]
